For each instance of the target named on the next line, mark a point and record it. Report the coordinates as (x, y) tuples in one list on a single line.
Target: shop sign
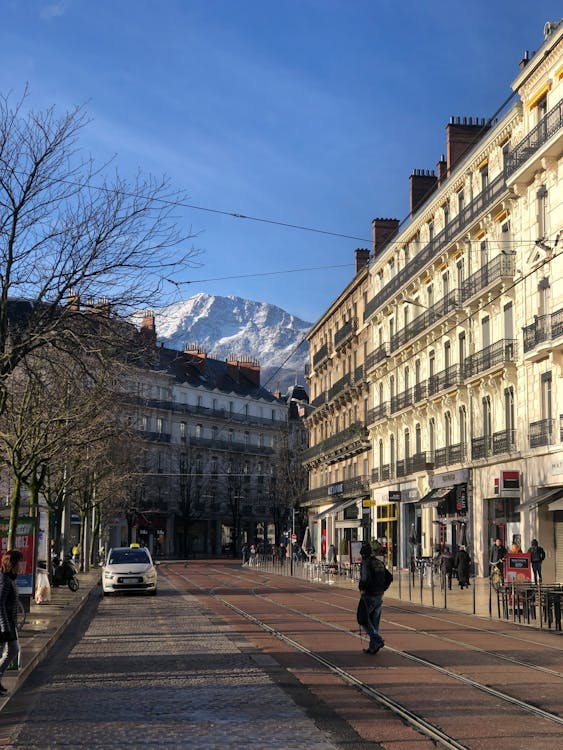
[(508, 484), (460, 476), (335, 489), (394, 496)]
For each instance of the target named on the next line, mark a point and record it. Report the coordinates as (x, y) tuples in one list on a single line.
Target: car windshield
[(120, 556)]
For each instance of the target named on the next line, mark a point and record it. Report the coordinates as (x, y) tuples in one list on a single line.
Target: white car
[(129, 569)]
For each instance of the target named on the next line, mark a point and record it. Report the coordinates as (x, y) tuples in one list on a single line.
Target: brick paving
[(157, 672)]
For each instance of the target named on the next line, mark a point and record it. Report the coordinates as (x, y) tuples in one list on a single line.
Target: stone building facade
[(458, 414)]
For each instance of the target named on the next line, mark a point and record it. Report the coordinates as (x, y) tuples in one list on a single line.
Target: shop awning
[(549, 494), (336, 508), (435, 496)]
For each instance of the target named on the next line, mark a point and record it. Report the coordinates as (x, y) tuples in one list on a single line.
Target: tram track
[(400, 710)]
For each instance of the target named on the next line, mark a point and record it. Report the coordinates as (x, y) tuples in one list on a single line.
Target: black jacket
[(8, 607), (372, 576)]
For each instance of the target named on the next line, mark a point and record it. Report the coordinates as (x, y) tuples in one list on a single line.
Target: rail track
[(264, 601)]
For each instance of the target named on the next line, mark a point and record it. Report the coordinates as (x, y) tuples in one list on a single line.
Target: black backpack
[(380, 577)]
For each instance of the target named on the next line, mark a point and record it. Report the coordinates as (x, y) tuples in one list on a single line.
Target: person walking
[(375, 579), (537, 556), (447, 566), (9, 568), (463, 565), (498, 553), (252, 559)]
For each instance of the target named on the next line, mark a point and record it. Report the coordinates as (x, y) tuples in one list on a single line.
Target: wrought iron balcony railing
[(501, 352), (541, 433), (499, 268), (535, 139), (377, 356), (320, 356), (429, 317), (489, 195), (544, 328), (378, 412), (345, 333), (451, 454)]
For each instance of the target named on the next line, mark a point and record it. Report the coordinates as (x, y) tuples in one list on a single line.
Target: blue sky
[(309, 112)]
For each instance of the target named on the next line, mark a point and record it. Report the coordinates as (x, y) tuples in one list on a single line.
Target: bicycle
[(496, 578)]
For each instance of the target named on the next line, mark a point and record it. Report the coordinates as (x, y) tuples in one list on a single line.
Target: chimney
[(525, 60), (442, 169), (362, 258), (196, 356), (383, 231), (148, 328), (422, 184), (461, 136), (246, 367)]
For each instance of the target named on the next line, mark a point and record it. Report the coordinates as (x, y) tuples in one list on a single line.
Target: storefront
[(446, 520)]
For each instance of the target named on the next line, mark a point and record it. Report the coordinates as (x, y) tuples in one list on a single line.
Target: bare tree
[(68, 232)]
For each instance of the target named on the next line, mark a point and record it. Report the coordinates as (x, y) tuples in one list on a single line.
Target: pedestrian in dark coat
[(537, 556), (8, 611), (463, 564), (374, 580), (447, 566)]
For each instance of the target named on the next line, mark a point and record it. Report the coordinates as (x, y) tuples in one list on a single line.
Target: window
[(462, 427), (448, 429), (214, 432), (432, 437), (484, 253), (407, 445), (487, 417), (460, 273), (407, 378), (182, 430), (546, 403), (246, 438), (392, 453), (381, 453), (541, 211), (144, 424), (484, 174), (198, 430), (159, 425), (447, 355), (509, 422), (544, 294), (461, 345), (446, 284), (418, 439), (486, 331), (199, 402), (231, 435), (446, 210), (430, 231), (429, 295), (461, 201), (508, 322)]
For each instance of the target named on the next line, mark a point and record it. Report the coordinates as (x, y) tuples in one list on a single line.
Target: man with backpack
[(537, 556), (375, 579)]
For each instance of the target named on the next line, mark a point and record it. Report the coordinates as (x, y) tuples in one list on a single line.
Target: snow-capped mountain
[(226, 326)]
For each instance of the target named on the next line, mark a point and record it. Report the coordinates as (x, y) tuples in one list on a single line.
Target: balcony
[(339, 386), (378, 413), (378, 355), (493, 445), (465, 218), (544, 329), (346, 443), (500, 269), (229, 445), (431, 315), (541, 433), (504, 442), (346, 489), (401, 401), (451, 454), (155, 437), (319, 400), (448, 378), (495, 355), (536, 138), (321, 356), (383, 473), (346, 333)]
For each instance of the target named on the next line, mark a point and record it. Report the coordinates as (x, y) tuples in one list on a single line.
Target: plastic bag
[(42, 587)]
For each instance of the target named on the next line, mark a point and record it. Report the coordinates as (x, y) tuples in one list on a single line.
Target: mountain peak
[(224, 326)]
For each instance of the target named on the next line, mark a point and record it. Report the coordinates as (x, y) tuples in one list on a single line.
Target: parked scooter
[(65, 572)]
